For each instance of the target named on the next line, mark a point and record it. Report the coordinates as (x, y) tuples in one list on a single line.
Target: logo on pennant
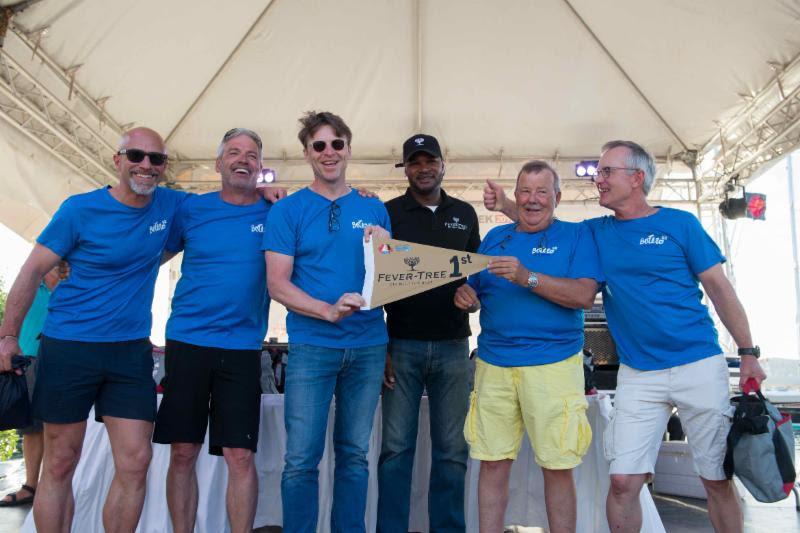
[(391, 272), (411, 262)]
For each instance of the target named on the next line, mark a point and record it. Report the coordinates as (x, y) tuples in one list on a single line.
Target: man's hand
[(347, 304), (750, 368), (388, 373), (64, 270), (366, 193), (9, 347), (272, 194), (466, 299), (494, 196), (376, 232), (509, 268)]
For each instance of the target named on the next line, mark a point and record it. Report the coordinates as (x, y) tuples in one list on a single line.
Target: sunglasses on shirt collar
[(135, 155)]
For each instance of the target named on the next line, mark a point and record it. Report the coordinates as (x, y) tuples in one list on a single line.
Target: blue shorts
[(115, 377)]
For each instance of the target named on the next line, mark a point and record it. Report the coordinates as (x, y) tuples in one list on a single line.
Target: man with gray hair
[(529, 370), (214, 335), (652, 259)]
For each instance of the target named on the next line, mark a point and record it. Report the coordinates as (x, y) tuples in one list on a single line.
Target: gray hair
[(236, 132), (638, 158), (536, 166)]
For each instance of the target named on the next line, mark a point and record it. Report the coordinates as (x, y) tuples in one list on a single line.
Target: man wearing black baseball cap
[(428, 349)]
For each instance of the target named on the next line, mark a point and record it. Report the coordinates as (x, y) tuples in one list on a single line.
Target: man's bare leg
[(493, 494), (54, 504), (242, 493), (561, 500), (623, 511), (182, 491), (131, 448), (32, 449), (724, 509)]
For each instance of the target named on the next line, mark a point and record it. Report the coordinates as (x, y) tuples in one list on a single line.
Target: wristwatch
[(533, 281), (755, 351)]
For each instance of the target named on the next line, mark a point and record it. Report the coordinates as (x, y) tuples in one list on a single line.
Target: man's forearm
[(509, 209), (19, 301), (297, 300), (733, 316), (567, 292)]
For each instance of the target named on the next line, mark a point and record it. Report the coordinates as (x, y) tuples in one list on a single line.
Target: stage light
[(586, 169), (756, 205), (733, 208), (267, 176), (750, 205)]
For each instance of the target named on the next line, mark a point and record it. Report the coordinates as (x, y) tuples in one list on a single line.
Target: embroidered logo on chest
[(653, 240), (544, 250), (256, 228), (158, 226), (455, 224)]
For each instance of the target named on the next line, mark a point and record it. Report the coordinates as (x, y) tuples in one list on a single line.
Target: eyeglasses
[(135, 155), (333, 217), (606, 171), (336, 144)]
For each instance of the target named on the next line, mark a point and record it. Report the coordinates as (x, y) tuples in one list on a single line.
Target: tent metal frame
[(766, 128)]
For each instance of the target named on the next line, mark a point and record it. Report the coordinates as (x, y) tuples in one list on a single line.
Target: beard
[(142, 190)]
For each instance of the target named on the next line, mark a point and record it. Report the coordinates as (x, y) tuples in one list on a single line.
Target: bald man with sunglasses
[(95, 349)]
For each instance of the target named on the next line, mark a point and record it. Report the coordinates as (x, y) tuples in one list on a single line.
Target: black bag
[(15, 406), (760, 447)]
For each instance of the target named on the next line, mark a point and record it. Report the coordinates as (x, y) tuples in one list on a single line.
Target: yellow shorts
[(547, 400)]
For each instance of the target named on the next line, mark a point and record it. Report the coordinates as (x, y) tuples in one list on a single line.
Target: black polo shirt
[(431, 315)]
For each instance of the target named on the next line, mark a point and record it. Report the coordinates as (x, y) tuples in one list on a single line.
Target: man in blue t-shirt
[(94, 347), (652, 260), (214, 335), (315, 267), (529, 372)]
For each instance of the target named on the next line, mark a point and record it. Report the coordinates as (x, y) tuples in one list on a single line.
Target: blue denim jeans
[(444, 369), (313, 376)]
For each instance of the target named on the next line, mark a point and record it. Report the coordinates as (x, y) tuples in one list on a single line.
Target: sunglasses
[(336, 144), (333, 217), (135, 155)]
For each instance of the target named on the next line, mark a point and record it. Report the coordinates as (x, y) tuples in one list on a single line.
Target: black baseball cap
[(420, 143)]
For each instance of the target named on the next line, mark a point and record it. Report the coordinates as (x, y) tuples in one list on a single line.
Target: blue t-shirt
[(114, 252), (30, 333), (518, 327), (221, 299), (652, 299), (328, 262)]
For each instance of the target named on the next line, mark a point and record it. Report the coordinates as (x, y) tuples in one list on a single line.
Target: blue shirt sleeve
[(701, 251), (282, 234), (585, 262), (175, 240), (62, 233)]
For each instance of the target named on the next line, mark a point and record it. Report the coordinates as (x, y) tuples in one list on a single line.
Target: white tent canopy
[(497, 82)]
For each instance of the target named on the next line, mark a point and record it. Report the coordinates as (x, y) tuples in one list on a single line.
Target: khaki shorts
[(643, 405), (547, 400)]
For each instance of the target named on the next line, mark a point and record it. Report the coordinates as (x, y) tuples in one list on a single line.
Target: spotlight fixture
[(750, 205), (586, 169), (267, 176)]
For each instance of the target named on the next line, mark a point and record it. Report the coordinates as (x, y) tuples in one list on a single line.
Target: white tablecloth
[(526, 501)]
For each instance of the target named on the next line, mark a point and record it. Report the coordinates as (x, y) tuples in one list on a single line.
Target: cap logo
[(419, 140)]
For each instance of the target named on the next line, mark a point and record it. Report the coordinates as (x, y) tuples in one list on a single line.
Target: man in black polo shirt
[(428, 349)]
